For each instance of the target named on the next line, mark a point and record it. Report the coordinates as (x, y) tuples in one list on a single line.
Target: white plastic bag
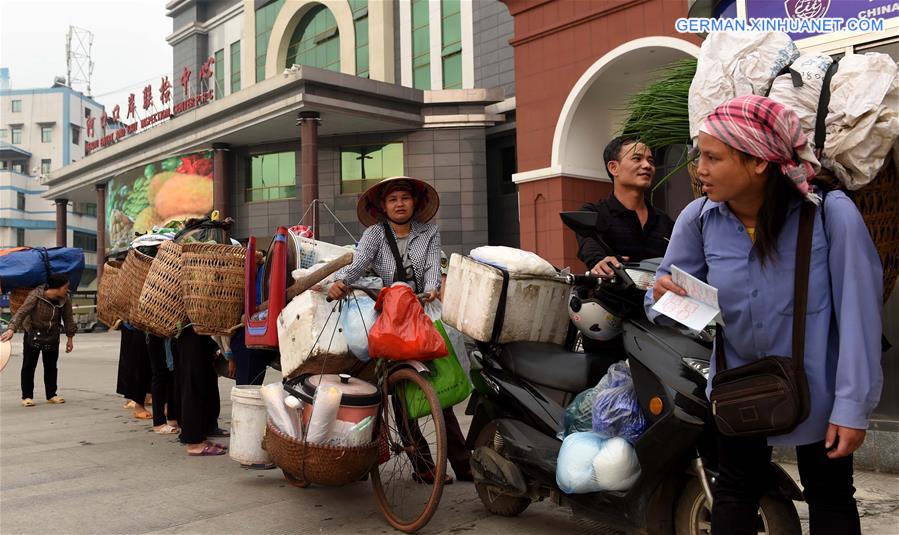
[(324, 413), (574, 468), (356, 319), (278, 412), (513, 260), (615, 466)]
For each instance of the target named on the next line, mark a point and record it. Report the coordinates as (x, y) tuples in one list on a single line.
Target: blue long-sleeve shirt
[(843, 324)]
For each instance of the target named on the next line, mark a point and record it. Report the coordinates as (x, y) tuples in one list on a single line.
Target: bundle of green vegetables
[(658, 114)]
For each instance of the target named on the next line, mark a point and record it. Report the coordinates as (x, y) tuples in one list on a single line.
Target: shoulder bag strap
[(800, 284), (800, 293), (400, 273)]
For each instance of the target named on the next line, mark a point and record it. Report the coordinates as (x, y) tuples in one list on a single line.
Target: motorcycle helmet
[(591, 318)]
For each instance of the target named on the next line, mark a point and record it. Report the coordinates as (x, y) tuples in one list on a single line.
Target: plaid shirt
[(373, 253)]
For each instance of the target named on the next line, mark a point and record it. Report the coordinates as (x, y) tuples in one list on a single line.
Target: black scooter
[(521, 390)]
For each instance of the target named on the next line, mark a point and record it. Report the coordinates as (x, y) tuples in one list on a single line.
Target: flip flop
[(142, 415), (219, 432), (210, 449), (167, 430)]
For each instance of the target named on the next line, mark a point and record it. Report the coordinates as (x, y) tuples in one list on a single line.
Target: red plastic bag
[(403, 331)]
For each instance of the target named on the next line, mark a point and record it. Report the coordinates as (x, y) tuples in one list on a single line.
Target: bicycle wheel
[(408, 479)]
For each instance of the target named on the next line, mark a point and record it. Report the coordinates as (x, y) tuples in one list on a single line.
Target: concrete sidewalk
[(88, 467)]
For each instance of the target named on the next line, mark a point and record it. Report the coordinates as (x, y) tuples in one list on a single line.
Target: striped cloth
[(768, 130)]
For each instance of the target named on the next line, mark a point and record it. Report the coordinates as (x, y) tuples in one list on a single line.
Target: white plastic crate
[(536, 307)]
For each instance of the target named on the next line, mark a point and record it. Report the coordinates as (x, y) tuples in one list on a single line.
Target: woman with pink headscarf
[(755, 166)]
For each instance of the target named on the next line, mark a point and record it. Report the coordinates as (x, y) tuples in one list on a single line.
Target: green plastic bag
[(447, 377)]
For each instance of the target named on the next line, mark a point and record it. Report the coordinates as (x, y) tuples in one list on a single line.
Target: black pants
[(198, 383), (29, 365), (745, 475), (251, 363), (135, 375), (162, 385)]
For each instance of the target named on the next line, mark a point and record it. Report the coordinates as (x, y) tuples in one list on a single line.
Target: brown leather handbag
[(769, 396)]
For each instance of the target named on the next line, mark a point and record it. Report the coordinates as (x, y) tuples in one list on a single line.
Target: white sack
[(513, 260), (615, 466)]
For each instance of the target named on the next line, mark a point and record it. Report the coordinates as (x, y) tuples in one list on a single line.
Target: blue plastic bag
[(356, 319), (616, 411), (589, 463)]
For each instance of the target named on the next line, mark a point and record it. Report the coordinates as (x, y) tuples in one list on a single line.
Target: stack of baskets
[(105, 290), (130, 283), (304, 463), (212, 284), (878, 203), (160, 303)]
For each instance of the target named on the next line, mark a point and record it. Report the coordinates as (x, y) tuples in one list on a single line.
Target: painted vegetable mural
[(174, 189)]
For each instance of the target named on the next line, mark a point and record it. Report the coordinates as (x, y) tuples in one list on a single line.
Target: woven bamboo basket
[(212, 283), (161, 303), (17, 298), (129, 285), (305, 463), (108, 282), (878, 203)]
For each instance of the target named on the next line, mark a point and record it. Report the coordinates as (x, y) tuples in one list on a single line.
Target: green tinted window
[(315, 41), (451, 45), (235, 66), (363, 165), (271, 177), (421, 45), (265, 19), (360, 22), (220, 73)]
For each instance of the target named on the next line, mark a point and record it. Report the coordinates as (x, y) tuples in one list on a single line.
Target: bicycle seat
[(553, 366)]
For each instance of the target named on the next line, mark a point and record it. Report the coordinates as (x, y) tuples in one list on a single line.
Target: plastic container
[(248, 418), (307, 328), (535, 306), (359, 398)]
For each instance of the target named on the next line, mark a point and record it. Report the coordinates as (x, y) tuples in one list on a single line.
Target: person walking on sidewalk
[(40, 316)]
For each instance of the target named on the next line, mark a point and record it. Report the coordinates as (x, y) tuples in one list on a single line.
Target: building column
[(101, 230), (61, 224), (221, 178), (307, 185)]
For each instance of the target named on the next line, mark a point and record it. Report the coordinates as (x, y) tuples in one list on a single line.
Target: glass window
[(90, 208), (83, 240), (4, 164), (265, 19), (219, 73), (87, 277), (451, 47), (421, 45), (20, 237), (46, 134), (45, 166), (4, 133), (363, 165), (315, 41), (18, 167), (20, 201), (889, 47), (16, 135), (16, 106), (76, 135), (272, 176), (235, 66), (87, 112), (360, 18)]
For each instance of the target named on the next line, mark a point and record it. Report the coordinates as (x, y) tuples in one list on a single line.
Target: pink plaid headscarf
[(769, 130)]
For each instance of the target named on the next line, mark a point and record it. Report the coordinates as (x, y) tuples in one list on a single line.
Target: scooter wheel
[(495, 501), (693, 516)]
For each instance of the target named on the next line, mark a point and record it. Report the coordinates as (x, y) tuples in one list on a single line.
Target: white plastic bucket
[(247, 426)]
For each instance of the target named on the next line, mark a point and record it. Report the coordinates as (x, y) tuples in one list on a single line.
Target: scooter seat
[(554, 367)]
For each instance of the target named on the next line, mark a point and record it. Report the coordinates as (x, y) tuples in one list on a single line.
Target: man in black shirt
[(628, 226)]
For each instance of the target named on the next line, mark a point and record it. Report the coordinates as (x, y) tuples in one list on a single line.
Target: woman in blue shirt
[(755, 164)]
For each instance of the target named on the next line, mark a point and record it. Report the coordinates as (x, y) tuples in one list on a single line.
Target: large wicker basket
[(130, 283), (213, 284), (17, 298), (878, 203), (307, 463), (161, 303), (106, 288)]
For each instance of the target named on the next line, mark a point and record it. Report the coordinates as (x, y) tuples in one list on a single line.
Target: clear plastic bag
[(356, 319), (579, 414), (589, 463), (616, 411)]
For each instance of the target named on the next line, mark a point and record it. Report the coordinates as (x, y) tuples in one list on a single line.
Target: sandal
[(145, 415), (28, 402), (56, 400), (210, 449), (129, 405), (428, 478), (167, 429)]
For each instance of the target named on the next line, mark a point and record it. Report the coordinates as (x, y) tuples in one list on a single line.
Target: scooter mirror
[(582, 223)]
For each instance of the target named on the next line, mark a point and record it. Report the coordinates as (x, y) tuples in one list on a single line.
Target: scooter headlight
[(643, 280)]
